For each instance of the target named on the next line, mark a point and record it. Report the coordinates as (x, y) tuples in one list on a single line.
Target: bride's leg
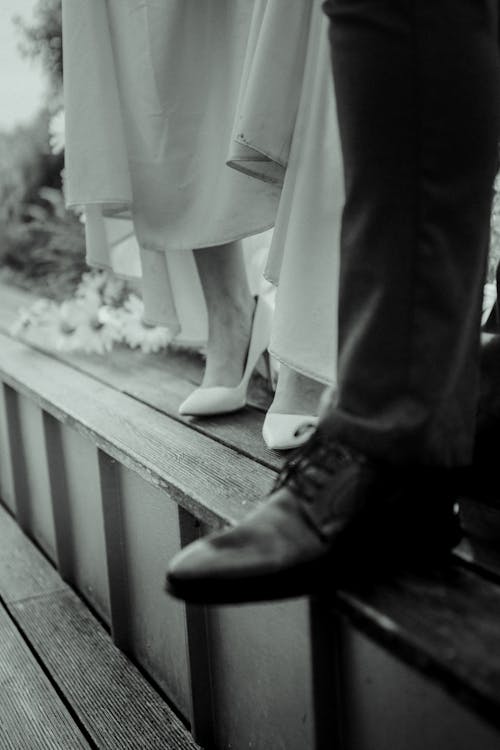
[(230, 307)]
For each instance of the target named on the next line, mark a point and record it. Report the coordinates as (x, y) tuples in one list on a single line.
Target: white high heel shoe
[(204, 402), (286, 431)]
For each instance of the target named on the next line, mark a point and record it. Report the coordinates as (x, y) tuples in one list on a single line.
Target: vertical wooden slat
[(116, 558), (41, 517), (6, 479), (326, 687), (157, 623), (202, 708), (84, 521), (63, 526), (18, 459)]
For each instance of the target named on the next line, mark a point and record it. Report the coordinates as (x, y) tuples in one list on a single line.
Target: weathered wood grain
[(24, 571), (163, 381), (212, 481), (108, 694), (31, 713), (118, 708)]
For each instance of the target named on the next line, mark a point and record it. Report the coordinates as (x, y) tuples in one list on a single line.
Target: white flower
[(93, 321), (57, 132), (41, 313), (140, 335)]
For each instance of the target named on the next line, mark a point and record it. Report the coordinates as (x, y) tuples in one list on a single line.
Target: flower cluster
[(57, 132), (103, 313)]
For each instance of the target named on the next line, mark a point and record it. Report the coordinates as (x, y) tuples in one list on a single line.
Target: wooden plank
[(31, 713), (261, 675), (210, 480), (155, 622), (443, 622), (79, 462), (386, 705), (6, 477), (162, 380), (116, 558), (24, 571), (18, 458), (63, 528), (198, 647), (38, 499), (114, 703)]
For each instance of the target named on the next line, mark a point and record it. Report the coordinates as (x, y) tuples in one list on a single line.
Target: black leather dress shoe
[(333, 515)]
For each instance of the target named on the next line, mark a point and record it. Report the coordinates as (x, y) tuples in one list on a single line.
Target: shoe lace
[(310, 466)]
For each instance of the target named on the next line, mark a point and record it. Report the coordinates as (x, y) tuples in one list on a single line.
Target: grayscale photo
[(249, 374)]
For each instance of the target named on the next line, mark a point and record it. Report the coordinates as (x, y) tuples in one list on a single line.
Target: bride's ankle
[(296, 393), (227, 346)]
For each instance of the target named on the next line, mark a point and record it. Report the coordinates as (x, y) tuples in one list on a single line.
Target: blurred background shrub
[(42, 245)]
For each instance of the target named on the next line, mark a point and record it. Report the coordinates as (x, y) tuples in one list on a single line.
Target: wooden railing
[(111, 487)]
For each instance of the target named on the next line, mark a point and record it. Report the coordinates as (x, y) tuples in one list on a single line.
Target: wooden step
[(161, 381), (31, 713), (109, 698), (111, 487), (442, 622), (166, 453)]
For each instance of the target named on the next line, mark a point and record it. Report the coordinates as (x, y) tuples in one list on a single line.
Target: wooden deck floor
[(107, 478), (64, 683)]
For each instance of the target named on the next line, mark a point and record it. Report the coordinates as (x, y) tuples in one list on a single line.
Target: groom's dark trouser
[(418, 87)]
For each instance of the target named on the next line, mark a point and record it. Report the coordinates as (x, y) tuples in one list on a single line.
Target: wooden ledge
[(212, 481), (161, 381), (444, 622)]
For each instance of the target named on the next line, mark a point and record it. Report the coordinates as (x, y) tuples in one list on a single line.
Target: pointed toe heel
[(204, 402), (287, 431)]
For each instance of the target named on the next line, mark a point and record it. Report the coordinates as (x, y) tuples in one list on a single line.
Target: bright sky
[(22, 83)]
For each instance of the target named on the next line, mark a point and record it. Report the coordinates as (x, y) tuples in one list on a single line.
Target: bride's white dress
[(288, 113), (158, 97)]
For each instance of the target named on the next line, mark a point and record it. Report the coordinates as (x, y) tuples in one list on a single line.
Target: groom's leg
[(417, 91), (417, 86)]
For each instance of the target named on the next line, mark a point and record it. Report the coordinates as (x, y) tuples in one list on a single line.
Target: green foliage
[(27, 165), (41, 244), (42, 39), (49, 244)]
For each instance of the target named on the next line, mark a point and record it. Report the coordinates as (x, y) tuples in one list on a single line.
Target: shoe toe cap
[(287, 431)]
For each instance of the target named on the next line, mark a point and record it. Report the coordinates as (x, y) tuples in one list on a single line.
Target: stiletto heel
[(269, 371), (204, 402)]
